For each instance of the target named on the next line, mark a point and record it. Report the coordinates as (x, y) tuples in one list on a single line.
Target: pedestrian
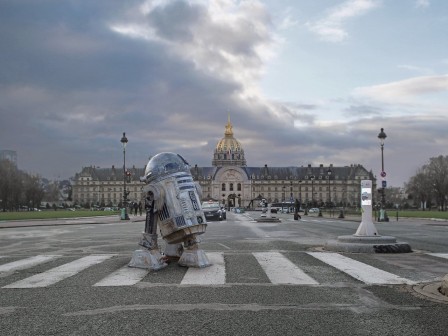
[(135, 208), (140, 207)]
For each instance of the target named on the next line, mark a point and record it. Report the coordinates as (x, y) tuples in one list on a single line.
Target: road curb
[(432, 291), (444, 286)]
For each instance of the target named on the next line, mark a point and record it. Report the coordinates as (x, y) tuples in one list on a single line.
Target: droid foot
[(148, 259), (194, 257)]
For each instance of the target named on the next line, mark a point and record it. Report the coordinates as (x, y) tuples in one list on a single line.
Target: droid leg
[(173, 251), (149, 257), (193, 256)]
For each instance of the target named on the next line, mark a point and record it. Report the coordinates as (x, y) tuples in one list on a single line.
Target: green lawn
[(419, 214), (51, 214), (402, 213)]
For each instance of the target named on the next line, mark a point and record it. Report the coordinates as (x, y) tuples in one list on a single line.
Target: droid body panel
[(173, 206), (180, 214)]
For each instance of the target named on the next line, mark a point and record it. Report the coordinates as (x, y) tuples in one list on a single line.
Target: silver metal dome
[(164, 164)]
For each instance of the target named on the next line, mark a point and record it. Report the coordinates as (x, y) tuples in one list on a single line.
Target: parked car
[(313, 210), (213, 211)]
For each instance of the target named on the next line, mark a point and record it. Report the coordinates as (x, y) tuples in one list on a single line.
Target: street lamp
[(283, 200), (329, 188), (312, 177), (291, 196), (383, 216), (124, 211)]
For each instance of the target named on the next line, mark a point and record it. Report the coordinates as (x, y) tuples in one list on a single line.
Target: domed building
[(228, 151), (233, 183), (230, 181)]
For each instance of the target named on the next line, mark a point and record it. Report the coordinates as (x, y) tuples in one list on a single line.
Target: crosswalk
[(277, 267)]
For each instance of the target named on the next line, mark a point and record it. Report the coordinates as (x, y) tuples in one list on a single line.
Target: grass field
[(51, 214), (405, 213)]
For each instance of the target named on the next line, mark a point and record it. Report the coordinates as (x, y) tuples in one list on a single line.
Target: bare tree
[(437, 170), (18, 188), (34, 191), (430, 183)]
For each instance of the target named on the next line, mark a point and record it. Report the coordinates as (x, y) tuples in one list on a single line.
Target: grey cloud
[(362, 111), (70, 86)]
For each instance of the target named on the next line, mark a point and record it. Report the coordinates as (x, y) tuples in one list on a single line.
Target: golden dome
[(228, 150)]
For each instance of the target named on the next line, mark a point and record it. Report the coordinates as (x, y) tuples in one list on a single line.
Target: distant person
[(297, 209), (140, 208), (135, 208)]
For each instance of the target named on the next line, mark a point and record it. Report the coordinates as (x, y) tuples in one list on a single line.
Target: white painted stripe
[(27, 263), (212, 275), (125, 276), (281, 270), (360, 271), (57, 274), (439, 255)]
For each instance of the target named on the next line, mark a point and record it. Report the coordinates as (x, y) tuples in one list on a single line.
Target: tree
[(438, 171), (430, 183), (18, 188), (34, 192)]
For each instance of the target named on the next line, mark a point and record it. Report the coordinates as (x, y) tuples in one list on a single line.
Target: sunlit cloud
[(422, 3), (404, 90), (229, 39), (416, 69), (332, 26)]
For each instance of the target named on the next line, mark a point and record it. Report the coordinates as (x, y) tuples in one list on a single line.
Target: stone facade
[(233, 183)]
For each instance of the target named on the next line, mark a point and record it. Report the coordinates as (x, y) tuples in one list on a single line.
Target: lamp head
[(124, 140), (382, 136)]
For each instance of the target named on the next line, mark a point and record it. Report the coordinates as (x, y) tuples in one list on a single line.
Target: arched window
[(239, 187), (223, 187), (231, 186)]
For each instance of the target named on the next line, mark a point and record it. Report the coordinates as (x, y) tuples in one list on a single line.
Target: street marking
[(57, 274), (27, 263), (212, 275), (125, 276), (358, 270), (281, 270), (440, 255)]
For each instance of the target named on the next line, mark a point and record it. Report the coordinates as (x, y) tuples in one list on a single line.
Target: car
[(213, 211), (313, 210)]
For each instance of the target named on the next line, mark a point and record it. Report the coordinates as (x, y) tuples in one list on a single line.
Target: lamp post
[(329, 172), (124, 211), (283, 200), (291, 197), (312, 177), (383, 216)]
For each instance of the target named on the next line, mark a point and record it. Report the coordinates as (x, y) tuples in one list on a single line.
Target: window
[(223, 187), (239, 186), (231, 186)]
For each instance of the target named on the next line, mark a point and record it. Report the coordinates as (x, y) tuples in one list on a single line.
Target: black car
[(213, 211)]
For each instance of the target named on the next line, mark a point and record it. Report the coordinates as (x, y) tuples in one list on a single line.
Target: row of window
[(105, 188), (231, 187), (108, 196)]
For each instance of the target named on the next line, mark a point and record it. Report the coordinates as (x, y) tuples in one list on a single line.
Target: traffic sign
[(384, 184), (383, 174)]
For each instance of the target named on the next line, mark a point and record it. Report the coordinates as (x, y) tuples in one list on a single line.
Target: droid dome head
[(165, 164)]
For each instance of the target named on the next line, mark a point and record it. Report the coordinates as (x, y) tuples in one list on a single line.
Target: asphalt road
[(254, 299)]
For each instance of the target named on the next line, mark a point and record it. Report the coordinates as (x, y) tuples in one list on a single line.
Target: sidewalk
[(70, 221)]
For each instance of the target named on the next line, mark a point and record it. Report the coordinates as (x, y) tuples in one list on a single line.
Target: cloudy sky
[(304, 82)]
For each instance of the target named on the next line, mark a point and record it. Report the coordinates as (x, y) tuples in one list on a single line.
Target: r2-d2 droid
[(173, 205)]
